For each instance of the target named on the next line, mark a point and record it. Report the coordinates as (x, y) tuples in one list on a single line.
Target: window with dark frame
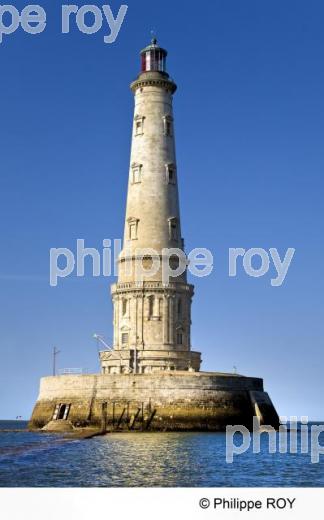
[(174, 230), (167, 121), (151, 306), (133, 227), (170, 173), (139, 125), (136, 173)]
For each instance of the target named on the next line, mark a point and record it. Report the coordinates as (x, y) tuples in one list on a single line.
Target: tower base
[(177, 401)]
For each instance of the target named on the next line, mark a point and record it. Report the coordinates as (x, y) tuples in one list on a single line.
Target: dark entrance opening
[(63, 411)]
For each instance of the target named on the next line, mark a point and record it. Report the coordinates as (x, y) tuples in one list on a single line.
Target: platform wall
[(167, 401)]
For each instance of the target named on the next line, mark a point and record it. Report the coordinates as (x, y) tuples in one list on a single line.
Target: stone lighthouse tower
[(152, 316), (150, 378)]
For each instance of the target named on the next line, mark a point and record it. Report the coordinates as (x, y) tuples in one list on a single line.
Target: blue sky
[(249, 128)]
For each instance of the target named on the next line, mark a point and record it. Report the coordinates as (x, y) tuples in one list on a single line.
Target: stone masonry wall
[(180, 401)]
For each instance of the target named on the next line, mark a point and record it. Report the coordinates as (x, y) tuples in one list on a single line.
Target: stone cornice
[(151, 286), (152, 80)]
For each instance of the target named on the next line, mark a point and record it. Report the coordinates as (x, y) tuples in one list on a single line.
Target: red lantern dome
[(153, 58)]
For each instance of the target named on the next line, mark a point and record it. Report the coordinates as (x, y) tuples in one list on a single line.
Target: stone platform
[(164, 401)]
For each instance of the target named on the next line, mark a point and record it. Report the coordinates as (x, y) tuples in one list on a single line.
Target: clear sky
[(249, 129)]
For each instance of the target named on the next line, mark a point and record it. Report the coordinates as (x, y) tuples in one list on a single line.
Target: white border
[(150, 503)]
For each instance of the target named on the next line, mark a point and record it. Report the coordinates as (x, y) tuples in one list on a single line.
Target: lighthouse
[(150, 377), (152, 317)]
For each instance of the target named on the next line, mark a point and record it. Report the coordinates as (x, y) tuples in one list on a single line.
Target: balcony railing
[(150, 285), (72, 371)]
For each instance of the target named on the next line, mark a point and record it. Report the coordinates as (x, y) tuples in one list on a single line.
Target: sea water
[(29, 459)]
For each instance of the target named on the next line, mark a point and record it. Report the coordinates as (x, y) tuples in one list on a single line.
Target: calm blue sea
[(145, 459)]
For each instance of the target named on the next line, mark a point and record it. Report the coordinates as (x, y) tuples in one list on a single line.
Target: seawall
[(158, 401)]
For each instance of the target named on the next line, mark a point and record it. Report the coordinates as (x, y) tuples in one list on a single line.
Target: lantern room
[(153, 58)]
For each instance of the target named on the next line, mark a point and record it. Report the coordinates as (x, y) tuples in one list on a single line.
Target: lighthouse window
[(167, 121), (179, 338), (133, 225), (136, 173), (151, 306), (124, 306), (174, 234), (139, 125), (170, 173), (124, 338), (173, 229), (132, 231), (174, 262)]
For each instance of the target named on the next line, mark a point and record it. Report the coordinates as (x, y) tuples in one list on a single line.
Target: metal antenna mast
[(55, 353)]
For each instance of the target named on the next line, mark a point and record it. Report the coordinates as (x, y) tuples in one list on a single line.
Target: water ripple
[(146, 460)]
